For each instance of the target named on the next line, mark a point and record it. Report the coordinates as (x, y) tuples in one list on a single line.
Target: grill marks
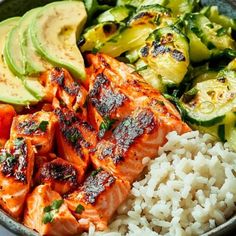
[(133, 127), (69, 124), (103, 97), (95, 184), (127, 133), (61, 175), (58, 76), (75, 138)]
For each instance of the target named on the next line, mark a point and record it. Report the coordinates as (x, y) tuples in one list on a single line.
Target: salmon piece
[(61, 175), (140, 133), (106, 100), (75, 138), (97, 199), (7, 112), (136, 137), (64, 91), (38, 127), (47, 213), (16, 169)]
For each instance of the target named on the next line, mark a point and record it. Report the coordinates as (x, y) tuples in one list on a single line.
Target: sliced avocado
[(34, 63), (54, 32), (13, 53), (12, 89)]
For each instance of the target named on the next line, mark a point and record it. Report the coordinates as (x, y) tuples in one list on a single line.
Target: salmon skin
[(47, 213), (97, 199), (38, 127), (64, 91), (140, 130), (61, 175), (16, 169), (75, 138)]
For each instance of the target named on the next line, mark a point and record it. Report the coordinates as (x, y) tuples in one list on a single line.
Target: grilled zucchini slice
[(95, 36), (145, 21), (214, 36), (212, 12), (167, 53), (116, 14), (149, 75), (179, 7), (209, 101)]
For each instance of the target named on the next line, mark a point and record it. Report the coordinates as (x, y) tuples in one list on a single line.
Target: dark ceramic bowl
[(9, 8)]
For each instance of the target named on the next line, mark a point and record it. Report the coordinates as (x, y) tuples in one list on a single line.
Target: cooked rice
[(188, 190)]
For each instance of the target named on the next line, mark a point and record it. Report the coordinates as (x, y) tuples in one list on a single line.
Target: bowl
[(9, 8)]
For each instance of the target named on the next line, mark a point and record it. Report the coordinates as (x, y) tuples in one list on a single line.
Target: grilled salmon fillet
[(64, 91), (116, 91), (38, 127), (61, 175), (16, 169), (141, 129), (7, 113), (97, 199), (75, 138), (47, 213)]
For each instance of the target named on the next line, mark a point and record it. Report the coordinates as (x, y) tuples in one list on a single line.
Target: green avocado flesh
[(33, 62), (13, 54), (54, 32), (12, 89)]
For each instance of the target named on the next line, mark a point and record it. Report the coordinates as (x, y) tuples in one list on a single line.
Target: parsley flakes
[(79, 209), (49, 211)]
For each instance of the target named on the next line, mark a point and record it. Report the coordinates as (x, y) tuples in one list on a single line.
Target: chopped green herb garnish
[(19, 141), (140, 68), (95, 172), (56, 204), (188, 96), (210, 25), (73, 137), (222, 31), (79, 209), (50, 210), (43, 125), (47, 217), (107, 123), (67, 176), (47, 209)]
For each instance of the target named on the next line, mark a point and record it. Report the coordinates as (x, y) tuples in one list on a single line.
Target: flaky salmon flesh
[(47, 213), (38, 127), (16, 170)]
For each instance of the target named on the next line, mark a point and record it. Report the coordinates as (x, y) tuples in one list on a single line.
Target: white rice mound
[(188, 189)]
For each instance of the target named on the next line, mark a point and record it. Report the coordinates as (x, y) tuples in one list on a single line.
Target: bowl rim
[(19, 229)]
